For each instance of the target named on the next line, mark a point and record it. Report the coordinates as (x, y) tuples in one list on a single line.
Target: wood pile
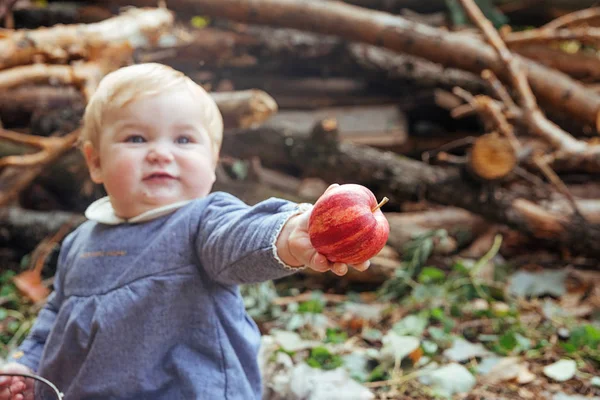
[(464, 127)]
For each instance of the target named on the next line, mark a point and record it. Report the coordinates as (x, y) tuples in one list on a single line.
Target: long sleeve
[(30, 351), (236, 242)]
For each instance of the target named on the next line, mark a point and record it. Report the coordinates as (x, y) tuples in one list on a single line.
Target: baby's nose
[(160, 154)]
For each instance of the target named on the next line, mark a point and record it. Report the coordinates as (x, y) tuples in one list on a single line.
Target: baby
[(146, 303)]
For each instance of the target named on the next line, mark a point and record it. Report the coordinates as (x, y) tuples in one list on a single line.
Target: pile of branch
[(315, 92)]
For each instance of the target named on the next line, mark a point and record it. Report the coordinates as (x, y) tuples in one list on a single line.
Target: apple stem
[(381, 203)]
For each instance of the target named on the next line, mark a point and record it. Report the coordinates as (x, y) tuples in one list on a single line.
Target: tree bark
[(400, 179), (399, 34), (578, 65), (135, 26), (265, 50), (17, 106), (34, 17)]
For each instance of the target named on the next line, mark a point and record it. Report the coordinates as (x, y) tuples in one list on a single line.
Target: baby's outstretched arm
[(295, 249), (15, 388)]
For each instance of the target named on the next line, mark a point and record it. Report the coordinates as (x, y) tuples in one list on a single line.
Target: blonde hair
[(126, 85)]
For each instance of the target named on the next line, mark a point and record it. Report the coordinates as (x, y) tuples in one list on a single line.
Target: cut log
[(492, 157), (400, 179), (372, 125), (399, 34)]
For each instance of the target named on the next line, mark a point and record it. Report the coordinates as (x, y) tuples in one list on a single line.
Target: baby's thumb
[(14, 367)]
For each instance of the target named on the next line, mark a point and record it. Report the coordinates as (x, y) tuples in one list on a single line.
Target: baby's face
[(152, 153)]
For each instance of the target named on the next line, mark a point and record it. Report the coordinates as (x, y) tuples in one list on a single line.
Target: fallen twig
[(576, 17), (23, 178)]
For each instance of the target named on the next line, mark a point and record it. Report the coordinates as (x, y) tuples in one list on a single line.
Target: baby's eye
[(135, 139), (183, 140)]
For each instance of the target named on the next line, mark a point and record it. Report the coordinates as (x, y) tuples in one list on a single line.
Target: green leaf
[(431, 275), (379, 373), (335, 335), (199, 22), (461, 268), (7, 290), (440, 315), (314, 306), (7, 276), (3, 314), (320, 357), (437, 313), (508, 341), (585, 336), (13, 326)]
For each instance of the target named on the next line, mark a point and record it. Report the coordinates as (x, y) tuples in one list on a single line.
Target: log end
[(492, 157), (325, 131)]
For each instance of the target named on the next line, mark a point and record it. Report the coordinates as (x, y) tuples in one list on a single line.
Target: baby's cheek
[(122, 172), (203, 184)]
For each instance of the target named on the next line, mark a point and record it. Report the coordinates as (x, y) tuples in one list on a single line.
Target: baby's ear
[(92, 158)]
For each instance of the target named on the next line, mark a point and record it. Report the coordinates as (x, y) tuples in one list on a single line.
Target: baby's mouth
[(159, 176)]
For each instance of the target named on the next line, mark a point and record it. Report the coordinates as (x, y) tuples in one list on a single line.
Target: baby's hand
[(15, 388), (300, 249)]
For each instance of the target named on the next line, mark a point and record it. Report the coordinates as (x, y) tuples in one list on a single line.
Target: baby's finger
[(5, 394), (362, 266), (319, 263), (17, 386), (339, 269)]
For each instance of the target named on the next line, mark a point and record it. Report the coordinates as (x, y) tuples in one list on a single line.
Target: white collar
[(102, 211)]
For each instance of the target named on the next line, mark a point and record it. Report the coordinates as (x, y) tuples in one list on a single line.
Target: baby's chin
[(151, 202), (127, 211)]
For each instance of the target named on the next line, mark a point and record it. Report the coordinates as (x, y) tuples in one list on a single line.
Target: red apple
[(346, 224)]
